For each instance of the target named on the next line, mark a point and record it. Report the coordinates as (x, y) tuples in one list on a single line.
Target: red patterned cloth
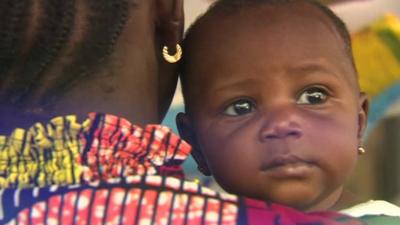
[(116, 148)]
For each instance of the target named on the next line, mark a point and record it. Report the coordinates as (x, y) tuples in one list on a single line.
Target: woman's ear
[(362, 114), (187, 132), (170, 22)]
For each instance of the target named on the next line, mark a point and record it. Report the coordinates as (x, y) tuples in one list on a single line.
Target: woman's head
[(77, 56), (274, 109)]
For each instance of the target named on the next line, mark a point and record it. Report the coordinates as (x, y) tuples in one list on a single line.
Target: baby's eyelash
[(316, 87), (313, 95), (239, 107)]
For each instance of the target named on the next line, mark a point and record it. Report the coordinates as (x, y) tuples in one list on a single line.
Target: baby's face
[(276, 110)]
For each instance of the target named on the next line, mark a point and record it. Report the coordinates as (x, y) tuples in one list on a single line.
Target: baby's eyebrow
[(320, 67), (237, 84)]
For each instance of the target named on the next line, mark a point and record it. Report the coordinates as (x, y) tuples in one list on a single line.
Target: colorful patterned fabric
[(129, 200), (103, 146), (148, 200), (108, 171)]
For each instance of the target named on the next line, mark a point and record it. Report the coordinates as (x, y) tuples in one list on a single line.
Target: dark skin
[(274, 110), (136, 84)]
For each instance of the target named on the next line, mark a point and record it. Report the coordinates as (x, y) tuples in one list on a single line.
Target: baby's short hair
[(232, 6)]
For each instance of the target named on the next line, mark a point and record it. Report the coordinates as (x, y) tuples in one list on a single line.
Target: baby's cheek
[(330, 132), (333, 143), (218, 153)]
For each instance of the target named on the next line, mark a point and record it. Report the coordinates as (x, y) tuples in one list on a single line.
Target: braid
[(13, 22), (105, 24), (25, 67), (57, 20)]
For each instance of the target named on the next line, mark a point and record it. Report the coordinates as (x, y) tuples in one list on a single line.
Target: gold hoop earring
[(172, 58), (361, 150)]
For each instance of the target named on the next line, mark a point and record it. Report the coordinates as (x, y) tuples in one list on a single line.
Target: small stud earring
[(361, 150), (172, 58)]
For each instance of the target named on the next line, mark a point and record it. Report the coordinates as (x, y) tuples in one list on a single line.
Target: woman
[(76, 57)]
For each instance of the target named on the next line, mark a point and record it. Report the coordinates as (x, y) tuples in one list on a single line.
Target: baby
[(273, 106)]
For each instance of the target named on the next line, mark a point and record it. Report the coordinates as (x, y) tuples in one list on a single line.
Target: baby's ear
[(186, 131), (362, 114)]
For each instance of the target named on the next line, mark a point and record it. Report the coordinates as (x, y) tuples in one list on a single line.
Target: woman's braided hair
[(27, 54)]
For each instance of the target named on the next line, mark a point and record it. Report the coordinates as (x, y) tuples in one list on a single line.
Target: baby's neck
[(346, 200), (338, 200)]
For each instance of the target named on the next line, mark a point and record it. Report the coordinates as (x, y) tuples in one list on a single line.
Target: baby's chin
[(302, 194), (301, 197)]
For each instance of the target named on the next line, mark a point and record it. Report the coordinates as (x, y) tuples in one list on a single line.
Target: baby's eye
[(312, 96), (239, 108)]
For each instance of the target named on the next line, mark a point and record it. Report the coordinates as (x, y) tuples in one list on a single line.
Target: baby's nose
[(281, 125), (282, 131)]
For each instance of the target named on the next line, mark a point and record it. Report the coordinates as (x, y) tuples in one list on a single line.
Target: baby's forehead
[(222, 24), (260, 16), (221, 36)]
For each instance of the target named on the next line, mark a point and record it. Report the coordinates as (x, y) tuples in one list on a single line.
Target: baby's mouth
[(287, 166)]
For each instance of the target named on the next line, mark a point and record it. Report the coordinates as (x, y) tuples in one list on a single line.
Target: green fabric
[(381, 220)]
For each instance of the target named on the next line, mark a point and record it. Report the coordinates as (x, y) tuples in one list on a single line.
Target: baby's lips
[(286, 159)]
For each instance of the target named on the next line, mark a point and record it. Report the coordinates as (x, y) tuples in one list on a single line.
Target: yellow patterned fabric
[(42, 155), (376, 52)]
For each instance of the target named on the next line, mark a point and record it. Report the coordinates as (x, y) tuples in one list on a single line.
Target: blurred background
[(375, 29)]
